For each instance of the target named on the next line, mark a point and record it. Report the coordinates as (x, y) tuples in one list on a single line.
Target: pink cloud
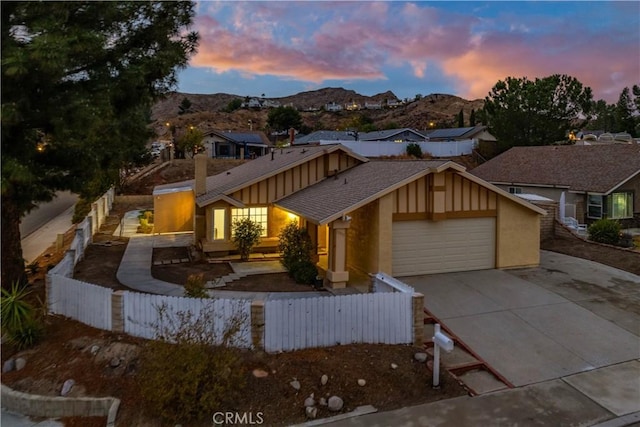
[(604, 64), (365, 40)]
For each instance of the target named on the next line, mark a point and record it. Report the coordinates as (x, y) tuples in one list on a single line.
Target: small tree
[(414, 150), (246, 235), (195, 286), (296, 248)]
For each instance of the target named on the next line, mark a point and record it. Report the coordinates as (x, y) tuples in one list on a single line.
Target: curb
[(56, 406)]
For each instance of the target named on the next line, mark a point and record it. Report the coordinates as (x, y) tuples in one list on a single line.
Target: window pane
[(255, 214), (218, 224), (594, 206), (621, 205)]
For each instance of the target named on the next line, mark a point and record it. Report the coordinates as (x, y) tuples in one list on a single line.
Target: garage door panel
[(427, 247)]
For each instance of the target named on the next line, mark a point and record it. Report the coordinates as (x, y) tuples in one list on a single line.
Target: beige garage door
[(427, 247)]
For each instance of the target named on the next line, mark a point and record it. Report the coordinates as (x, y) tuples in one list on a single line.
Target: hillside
[(435, 110)]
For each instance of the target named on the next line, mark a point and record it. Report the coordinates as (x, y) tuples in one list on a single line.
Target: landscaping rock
[(420, 357), (361, 382), (309, 401), (66, 387), (322, 401), (335, 403), (9, 365), (115, 362), (311, 412), (295, 384), (20, 363), (260, 373), (324, 379), (394, 366), (95, 349)]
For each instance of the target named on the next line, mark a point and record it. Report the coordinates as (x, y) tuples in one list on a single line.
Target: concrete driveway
[(565, 317)]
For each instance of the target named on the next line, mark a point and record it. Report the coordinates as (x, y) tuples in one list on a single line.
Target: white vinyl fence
[(295, 324), (87, 303), (390, 148), (149, 316)]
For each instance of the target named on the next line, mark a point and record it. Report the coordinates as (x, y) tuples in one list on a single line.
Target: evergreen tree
[(624, 109), (461, 119), (540, 112), (472, 118), (78, 81)]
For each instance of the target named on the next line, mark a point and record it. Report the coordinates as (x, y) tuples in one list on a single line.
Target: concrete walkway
[(9, 419)]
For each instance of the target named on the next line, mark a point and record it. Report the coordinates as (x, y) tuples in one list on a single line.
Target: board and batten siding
[(463, 198), (294, 324)]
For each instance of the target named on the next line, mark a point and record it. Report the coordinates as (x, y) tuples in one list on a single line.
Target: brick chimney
[(201, 174)]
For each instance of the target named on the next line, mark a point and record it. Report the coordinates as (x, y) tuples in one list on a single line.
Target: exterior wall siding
[(462, 198), (362, 239)]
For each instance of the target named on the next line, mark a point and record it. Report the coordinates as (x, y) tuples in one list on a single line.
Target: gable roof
[(331, 198), (381, 135), (254, 138), (592, 168), (450, 133), (318, 135), (219, 187)]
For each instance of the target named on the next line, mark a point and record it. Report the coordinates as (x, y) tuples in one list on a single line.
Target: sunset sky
[(281, 48)]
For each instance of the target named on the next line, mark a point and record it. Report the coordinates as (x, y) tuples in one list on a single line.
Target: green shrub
[(26, 336), (414, 149), (146, 222), (246, 235), (304, 272), (16, 311), (294, 243), (81, 210), (605, 231), (19, 318), (195, 286), (190, 372)]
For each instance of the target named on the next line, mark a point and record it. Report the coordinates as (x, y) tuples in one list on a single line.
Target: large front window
[(620, 205), (594, 206), (255, 214)]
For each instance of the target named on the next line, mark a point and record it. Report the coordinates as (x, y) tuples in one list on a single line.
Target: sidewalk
[(10, 419), (40, 240), (583, 399)]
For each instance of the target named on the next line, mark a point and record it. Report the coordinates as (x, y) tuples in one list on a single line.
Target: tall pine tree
[(78, 81)]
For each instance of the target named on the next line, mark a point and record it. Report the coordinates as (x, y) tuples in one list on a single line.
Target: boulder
[(9, 365), (420, 357), (361, 382), (295, 384), (20, 363), (66, 387), (335, 404)]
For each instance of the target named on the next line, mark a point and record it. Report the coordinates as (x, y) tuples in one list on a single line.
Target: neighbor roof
[(381, 135), (325, 135), (331, 198), (450, 133), (592, 168), (254, 138)]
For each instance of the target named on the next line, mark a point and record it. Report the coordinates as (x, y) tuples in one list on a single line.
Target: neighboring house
[(394, 135), (235, 145), (600, 180), (332, 106), (400, 217), (479, 133), (324, 135)]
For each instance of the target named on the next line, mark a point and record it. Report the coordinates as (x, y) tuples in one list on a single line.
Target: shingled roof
[(329, 199), (256, 170), (594, 168)]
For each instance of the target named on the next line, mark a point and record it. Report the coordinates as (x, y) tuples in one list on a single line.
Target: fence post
[(417, 301), (90, 219), (47, 288), (257, 324), (117, 311)]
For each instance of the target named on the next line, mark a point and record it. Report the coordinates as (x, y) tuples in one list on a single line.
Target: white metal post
[(436, 358)]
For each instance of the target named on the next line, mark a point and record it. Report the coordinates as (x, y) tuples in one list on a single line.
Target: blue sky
[(281, 48)]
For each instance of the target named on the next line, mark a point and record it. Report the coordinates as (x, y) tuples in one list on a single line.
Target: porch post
[(337, 274)]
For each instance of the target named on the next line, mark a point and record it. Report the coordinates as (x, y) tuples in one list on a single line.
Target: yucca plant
[(15, 310)]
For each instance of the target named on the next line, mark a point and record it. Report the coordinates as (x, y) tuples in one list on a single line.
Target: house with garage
[(235, 145), (599, 181), (400, 217)]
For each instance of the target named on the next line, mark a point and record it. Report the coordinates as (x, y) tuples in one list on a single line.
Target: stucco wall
[(518, 235), (174, 212)]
